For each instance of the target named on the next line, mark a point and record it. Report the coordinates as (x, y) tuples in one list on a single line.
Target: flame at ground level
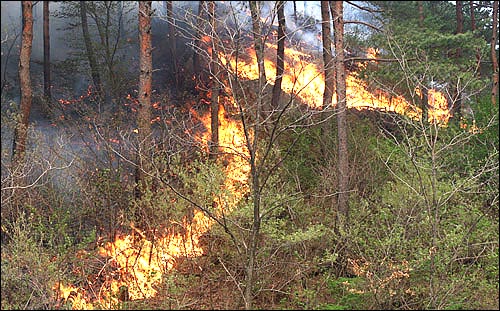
[(138, 263)]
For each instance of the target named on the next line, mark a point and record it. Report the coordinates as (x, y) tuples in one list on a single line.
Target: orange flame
[(304, 78), (140, 262)]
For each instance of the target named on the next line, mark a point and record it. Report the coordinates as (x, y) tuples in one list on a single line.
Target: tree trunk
[(457, 102), (460, 16), (172, 43), (328, 68), (197, 41), (21, 130), (214, 103), (254, 170), (327, 55), (425, 104), (420, 14), (145, 80), (280, 55), (46, 51), (295, 12), (343, 159), (472, 16), (494, 38), (473, 28), (252, 251), (258, 41), (94, 69)]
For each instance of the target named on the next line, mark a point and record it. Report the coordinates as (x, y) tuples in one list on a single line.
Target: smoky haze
[(71, 73)]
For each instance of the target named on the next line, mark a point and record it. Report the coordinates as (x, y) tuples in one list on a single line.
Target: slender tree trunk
[(21, 130), (254, 238), (254, 170), (425, 104), (472, 16), (494, 38), (473, 28), (258, 41), (328, 68), (197, 41), (214, 103), (46, 51), (145, 81), (280, 55), (327, 55), (460, 16), (94, 69), (295, 12), (172, 42), (456, 108), (420, 14), (343, 158)]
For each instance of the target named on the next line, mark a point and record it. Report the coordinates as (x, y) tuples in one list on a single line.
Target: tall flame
[(304, 78)]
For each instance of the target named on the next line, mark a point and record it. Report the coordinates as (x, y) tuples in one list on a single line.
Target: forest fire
[(139, 260), (303, 77), (139, 265)]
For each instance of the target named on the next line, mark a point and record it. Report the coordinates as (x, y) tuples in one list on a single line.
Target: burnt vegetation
[(213, 190)]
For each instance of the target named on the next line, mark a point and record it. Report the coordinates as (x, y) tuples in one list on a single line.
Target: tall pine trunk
[(280, 55), (46, 51), (420, 14), (328, 70), (145, 81), (343, 158), (173, 44), (94, 69), (197, 40), (258, 42), (494, 38), (21, 130), (456, 109), (214, 101)]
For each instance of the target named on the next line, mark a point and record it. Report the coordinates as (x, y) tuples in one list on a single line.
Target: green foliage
[(426, 224), (28, 268), (344, 292), (304, 157)]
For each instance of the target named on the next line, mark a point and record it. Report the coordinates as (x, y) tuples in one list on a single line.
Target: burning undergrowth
[(136, 259)]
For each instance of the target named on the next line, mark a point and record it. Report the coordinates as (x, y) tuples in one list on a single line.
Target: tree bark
[(197, 41), (473, 28), (460, 16), (280, 55), (343, 159), (94, 69), (46, 51), (425, 104), (494, 38), (145, 81), (456, 107), (327, 55), (295, 12), (472, 16), (172, 43), (21, 130), (254, 170), (420, 14), (214, 102), (258, 41), (328, 69), (460, 23)]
